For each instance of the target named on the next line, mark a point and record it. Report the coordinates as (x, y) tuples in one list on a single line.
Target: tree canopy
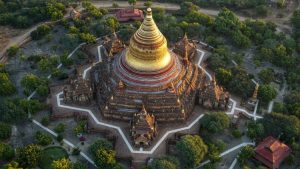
[(167, 162), (215, 122), (191, 150), (29, 156), (285, 127)]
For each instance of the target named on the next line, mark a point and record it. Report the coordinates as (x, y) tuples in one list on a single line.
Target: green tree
[(11, 112), (240, 39), (79, 165), (262, 10), (223, 76), (295, 21), (186, 7), (267, 75), (191, 150), (61, 164), (40, 32), (255, 130), (13, 165), (13, 50), (215, 122), (43, 139), (132, 2), (112, 23), (246, 153), (227, 22), (266, 93), (69, 40), (105, 158), (31, 82), (29, 156), (213, 153), (167, 162), (100, 144), (241, 83), (126, 32), (285, 127), (60, 128), (148, 3), (5, 131), (6, 152), (292, 102), (31, 106), (6, 86), (87, 37)]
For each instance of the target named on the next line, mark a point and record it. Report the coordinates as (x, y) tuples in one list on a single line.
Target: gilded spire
[(254, 96), (148, 49)]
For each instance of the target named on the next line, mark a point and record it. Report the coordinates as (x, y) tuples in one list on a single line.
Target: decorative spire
[(185, 39), (148, 50), (121, 84), (214, 80), (254, 96)]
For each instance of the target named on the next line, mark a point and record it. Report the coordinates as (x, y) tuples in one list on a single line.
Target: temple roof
[(148, 49), (143, 122), (272, 150), (125, 15)]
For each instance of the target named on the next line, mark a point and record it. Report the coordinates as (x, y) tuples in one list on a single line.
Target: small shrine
[(125, 15), (213, 96), (251, 103), (74, 14), (185, 48), (143, 128), (78, 91), (271, 152), (113, 45)]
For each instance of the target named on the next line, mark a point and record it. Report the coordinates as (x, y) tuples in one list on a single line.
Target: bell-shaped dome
[(148, 50)]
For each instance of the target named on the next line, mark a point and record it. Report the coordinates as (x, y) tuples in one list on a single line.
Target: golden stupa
[(148, 49), (146, 73)]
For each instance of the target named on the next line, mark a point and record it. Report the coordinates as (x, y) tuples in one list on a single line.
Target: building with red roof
[(271, 152), (125, 15)]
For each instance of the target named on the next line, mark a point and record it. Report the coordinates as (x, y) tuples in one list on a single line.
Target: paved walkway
[(227, 152)]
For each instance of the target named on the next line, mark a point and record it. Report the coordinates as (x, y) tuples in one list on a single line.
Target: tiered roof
[(125, 15), (271, 152), (185, 48), (113, 45), (143, 122)]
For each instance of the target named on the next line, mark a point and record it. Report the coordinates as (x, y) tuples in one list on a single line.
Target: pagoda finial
[(143, 109), (149, 12), (214, 80), (121, 84), (254, 96)]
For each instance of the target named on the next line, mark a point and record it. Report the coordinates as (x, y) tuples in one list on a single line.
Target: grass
[(51, 153)]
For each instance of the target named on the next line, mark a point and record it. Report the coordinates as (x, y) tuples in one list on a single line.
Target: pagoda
[(79, 90), (146, 73), (213, 96), (185, 48), (113, 44), (251, 103), (143, 128)]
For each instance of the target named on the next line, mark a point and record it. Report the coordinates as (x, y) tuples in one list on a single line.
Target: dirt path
[(23, 36)]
